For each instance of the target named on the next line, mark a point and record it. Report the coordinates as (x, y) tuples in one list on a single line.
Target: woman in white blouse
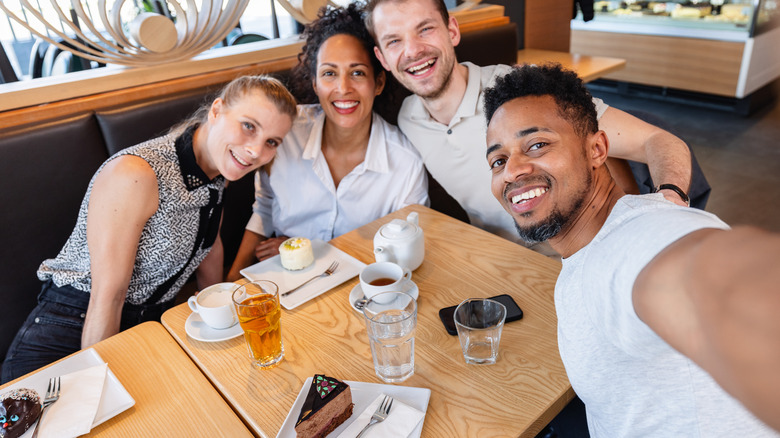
[(342, 165)]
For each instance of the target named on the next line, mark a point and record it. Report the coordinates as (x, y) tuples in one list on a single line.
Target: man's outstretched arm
[(714, 295)]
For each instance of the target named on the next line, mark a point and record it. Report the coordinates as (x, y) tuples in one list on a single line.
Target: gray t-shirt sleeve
[(629, 245)]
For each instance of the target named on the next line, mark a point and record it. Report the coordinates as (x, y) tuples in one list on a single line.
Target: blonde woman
[(150, 219)]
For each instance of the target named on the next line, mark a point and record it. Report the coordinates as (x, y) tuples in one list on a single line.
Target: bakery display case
[(720, 47)]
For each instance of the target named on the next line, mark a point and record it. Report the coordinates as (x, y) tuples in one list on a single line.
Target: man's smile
[(525, 196), (422, 68), (522, 197)]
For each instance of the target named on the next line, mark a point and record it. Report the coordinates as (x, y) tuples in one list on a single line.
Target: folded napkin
[(73, 414), (403, 419)]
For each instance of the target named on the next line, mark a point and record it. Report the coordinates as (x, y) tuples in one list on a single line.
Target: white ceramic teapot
[(401, 242)]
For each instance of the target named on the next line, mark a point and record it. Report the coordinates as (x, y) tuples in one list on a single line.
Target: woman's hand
[(269, 247)]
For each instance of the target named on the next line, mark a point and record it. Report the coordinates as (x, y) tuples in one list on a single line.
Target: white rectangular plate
[(115, 397), (324, 254), (363, 394)]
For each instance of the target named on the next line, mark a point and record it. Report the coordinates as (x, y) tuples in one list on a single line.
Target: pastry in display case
[(735, 11)]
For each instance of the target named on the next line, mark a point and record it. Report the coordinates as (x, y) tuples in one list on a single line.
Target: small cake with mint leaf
[(296, 253)]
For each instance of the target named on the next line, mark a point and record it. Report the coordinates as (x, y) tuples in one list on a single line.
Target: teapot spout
[(382, 255)]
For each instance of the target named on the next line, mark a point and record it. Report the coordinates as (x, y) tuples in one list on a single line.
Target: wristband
[(675, 189)]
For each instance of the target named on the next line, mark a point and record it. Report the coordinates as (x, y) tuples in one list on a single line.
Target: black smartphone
[(513, 313)]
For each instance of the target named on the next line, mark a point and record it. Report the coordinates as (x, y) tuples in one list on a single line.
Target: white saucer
[(356, 294), (198, 330)]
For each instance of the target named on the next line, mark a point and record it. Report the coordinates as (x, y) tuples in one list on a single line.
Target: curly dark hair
[(333, 21), (575, 104)]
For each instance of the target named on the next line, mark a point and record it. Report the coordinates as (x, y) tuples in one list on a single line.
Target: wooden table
[(172, 397), (517, 396), (587, 67)]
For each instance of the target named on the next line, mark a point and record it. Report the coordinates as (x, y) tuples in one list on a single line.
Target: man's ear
[(380, 83), (381, 58), (598, 147), (454, 30)]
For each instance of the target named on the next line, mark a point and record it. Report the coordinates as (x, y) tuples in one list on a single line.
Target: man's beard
[(435, 93), (542, 232), (555, 222)]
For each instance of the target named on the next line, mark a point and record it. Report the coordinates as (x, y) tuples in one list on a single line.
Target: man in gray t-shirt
[(667, 319)]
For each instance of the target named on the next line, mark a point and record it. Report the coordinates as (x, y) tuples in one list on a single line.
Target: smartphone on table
[(513, 312)]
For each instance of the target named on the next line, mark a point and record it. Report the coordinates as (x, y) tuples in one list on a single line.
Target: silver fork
[(331, 269), (380, 414), (52, 395)]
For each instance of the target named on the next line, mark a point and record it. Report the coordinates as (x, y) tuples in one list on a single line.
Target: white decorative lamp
[(148, 39)]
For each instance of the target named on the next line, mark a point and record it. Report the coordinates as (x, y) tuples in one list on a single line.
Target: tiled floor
[(740, 156)]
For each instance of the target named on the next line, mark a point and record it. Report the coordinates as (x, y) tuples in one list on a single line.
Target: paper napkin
[(403, 419), (73, 414)]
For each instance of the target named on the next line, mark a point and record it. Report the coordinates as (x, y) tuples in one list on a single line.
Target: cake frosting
[(328, 404), (19, 409), (296, 253)]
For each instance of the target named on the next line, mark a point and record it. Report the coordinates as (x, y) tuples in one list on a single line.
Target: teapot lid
[(398, 229)]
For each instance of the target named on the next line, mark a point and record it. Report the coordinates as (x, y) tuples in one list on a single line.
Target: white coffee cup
[(383, 277), (214, 304)]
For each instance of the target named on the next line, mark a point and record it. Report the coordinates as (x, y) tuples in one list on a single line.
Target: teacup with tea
[(383, 277)]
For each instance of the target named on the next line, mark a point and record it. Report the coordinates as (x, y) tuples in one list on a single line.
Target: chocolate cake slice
[(327, 405), (19, 409)]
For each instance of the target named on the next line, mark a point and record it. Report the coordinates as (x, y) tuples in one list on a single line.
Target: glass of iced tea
[(259, 313)]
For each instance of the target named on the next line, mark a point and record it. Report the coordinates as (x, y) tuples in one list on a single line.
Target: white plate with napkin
[(90, 395), (324, 254), (409, 407), (400, 422)]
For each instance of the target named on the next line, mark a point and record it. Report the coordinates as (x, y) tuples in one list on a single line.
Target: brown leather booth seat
[(48, 168)]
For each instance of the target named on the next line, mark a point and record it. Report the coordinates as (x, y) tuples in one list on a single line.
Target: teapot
[(401, 242)]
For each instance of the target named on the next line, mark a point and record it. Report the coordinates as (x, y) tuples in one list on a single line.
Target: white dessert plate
[(200, 331), (410, 287), (363, 394), (115, 397), (324, 254)]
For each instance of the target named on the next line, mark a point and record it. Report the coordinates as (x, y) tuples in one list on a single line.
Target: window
[(256, 23)]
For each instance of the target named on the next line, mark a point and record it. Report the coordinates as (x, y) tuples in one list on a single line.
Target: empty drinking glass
[(479, 322)]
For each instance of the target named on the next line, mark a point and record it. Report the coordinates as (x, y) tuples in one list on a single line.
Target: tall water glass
[(259, 313), (391, 318)]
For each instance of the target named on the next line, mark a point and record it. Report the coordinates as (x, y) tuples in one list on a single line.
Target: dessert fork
[(331, 269), (52, 395), (380, 414)]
